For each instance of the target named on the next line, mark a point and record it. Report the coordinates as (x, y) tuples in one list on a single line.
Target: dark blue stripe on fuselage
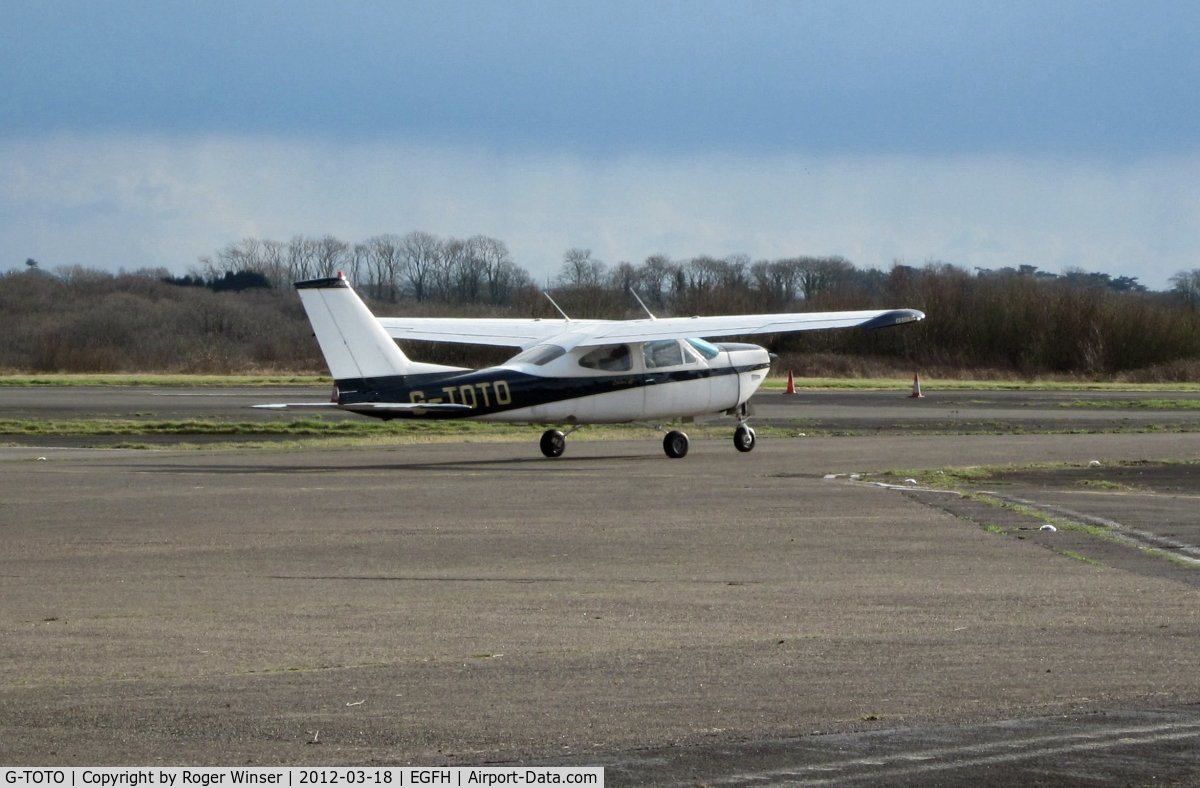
[(495, 389)]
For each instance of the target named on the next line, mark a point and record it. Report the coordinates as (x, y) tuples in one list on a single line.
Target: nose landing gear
[(744, 438)]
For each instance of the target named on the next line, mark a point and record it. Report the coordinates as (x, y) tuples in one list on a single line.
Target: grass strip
[(164, 380), (955, 477), (1136, 404), (299, 427), (930, 384)]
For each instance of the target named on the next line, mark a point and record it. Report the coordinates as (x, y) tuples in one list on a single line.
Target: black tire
[(744, 438), (553, 443), (675, 444)]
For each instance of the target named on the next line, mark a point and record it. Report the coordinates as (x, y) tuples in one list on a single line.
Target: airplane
[(567, 373)]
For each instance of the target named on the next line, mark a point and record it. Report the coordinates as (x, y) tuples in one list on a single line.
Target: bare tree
[(245, 255), (657, 276), (301, 258), (817, 274), (385, 266), (507, 280), (357, 262), (624, 277), (500, 271), (471, 271), (776, 281), (274, 263), (331, 256), (1186, 284), (422, 253), (445, 269), (580, 269)]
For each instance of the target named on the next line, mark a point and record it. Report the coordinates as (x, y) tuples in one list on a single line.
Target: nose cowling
[(751, 363), (742, 354)]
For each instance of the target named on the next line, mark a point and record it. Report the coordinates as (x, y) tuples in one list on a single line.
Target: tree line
[(419, 265), (245, 317)]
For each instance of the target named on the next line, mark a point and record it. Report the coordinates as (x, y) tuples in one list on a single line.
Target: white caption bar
[(297, 777)]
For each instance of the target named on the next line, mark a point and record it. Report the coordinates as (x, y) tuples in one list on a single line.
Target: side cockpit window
[(609, 358), (663, 353)]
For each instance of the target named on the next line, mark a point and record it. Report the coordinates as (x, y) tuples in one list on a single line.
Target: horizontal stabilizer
[(406, 407)]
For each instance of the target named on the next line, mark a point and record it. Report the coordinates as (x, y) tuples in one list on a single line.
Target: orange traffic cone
[(916, 392), (791, 386)]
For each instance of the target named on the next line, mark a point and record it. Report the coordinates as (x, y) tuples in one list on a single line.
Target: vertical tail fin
[(351, 339)]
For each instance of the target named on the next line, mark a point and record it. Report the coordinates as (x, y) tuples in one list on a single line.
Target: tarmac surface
[(822, 410), (723, 619)]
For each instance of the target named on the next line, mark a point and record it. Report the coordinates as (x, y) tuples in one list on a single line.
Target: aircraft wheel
[(553, 443), (675, 444), (744, 438)]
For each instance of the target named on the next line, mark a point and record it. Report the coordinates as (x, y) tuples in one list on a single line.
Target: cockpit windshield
[(706, 349)]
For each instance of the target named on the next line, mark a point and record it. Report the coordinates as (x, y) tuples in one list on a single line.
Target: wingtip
[(894, 317)]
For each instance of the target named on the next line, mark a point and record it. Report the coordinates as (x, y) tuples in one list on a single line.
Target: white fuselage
[(683, 383)]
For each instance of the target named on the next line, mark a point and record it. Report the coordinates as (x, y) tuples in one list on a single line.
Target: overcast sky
[(1057, 134)]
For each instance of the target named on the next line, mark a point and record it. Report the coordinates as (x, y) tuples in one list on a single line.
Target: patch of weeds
[(1105, 484), (1172, 557), (937, 477), (1067, 524), (1079, 557), (1135, 404), (1100, 484), (1042, 517), (951, 477), (992, 528), (1097, 531)]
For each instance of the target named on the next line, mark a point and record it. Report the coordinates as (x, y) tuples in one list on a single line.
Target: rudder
[(351, 339)]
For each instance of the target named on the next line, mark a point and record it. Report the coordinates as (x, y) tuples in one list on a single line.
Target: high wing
[(588, 333), (646, 330)]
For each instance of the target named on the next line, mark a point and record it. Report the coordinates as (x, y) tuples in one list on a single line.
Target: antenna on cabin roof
[(556, 306), (642, 304)]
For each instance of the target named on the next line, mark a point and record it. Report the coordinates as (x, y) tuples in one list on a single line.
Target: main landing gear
[(675, 442), (554, 442)]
